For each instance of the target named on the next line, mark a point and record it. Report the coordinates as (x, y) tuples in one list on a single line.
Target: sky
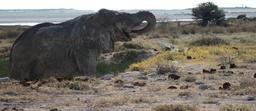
[(117, 4)]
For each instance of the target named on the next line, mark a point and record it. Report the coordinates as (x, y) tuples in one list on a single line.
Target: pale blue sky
[(117, 4)]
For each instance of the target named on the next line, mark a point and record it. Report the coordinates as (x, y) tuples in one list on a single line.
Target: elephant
[(71, 48)]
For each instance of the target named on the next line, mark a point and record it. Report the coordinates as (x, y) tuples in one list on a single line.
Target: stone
[(203, 87), (139, 83), (118, 83), (194, 69), (130, 76), (184, 87), (142, 77), (173, 76), (82, 78), (206, 71), (107, 77), (128, 86), (198, 83), (55, 109), (4, 79), (172, 87), (251, 98)]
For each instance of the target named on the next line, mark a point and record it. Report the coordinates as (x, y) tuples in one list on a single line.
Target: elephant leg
[(86, 62), (21, 70)]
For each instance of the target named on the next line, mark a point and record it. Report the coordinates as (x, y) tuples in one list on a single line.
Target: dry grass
[(73, 85), (177, 107), (247, 87), (209, 41), (14, 92), (241, 107), (167, 68), (119, 100)]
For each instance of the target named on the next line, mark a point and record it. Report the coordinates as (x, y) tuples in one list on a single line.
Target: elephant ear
[(105, 42)]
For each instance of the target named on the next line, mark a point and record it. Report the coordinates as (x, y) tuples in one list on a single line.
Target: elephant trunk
[(148, 22)]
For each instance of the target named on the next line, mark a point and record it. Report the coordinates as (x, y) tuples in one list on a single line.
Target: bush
[(4, 70), (209, 41), (208, 13), (166, 68)]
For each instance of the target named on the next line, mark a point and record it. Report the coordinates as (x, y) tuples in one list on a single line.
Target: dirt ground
[(194, 85)]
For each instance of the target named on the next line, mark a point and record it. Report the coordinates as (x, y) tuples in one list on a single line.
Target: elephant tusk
[(142, 26)]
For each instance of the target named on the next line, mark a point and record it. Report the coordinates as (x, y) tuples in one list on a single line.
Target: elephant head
[(127, 25), (122, 26)]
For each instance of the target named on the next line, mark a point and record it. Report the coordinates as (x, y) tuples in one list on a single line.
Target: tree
[(208, 13)]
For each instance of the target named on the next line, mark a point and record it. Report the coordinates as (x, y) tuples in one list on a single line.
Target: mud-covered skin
[(71, 48)]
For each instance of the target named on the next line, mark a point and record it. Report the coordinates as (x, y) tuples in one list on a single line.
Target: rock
[(107, 77), (161, 78), (167, 48), (210, 71), (130, 76), (222, 67), (228, 73), (254, 75), (194, 69), (189, 57), (4, 79), (82, 78), (203, 87), (54, 109), (142, 77), (232, 66), (118, 83), (128, 86), (251, 98), (226, 86), (198, 83), (139, 83), (173, 76), (206, 71), (172, 87), (184, 87)]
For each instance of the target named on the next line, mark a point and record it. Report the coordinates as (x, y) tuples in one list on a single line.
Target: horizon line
[(112, 9)]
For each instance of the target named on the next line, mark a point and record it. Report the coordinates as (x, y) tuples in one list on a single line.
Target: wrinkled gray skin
[(70, 48)]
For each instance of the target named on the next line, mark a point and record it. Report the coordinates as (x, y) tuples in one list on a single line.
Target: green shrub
[(4, 70), (208, 13)]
